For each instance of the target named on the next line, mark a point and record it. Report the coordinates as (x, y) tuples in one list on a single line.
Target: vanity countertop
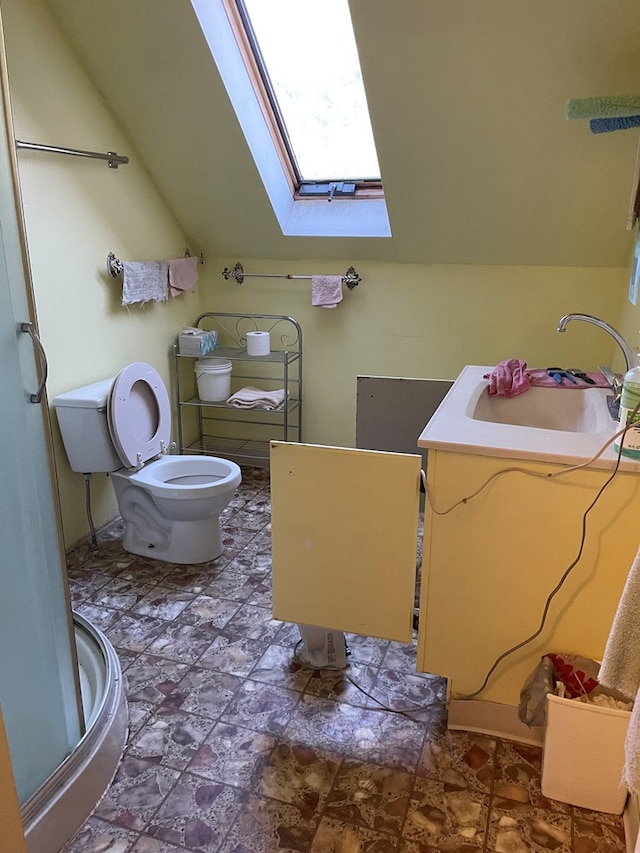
[(453, 428)]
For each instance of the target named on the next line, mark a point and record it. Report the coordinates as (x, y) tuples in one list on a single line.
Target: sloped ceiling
[(467, 101)]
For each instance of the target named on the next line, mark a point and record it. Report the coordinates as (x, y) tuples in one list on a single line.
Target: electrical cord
[(404, 712), (619, 434)]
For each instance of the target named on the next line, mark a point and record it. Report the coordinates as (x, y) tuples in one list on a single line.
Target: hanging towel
[(612, 106), (509, 378), (607, 125), (326, 291), (183, 274), (144, 281), (254, 398), (620, 668)]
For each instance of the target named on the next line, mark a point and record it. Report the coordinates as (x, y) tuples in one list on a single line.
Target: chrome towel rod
[(350, 278), (113, 160), (115, 266)]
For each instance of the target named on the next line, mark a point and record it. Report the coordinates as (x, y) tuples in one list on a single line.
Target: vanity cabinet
[(490, 563), (220, 429)]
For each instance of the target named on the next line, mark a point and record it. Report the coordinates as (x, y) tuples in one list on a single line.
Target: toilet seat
[(139, 414)]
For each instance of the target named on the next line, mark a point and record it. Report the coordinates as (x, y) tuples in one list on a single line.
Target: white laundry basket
[(213, 376), (583, 754)]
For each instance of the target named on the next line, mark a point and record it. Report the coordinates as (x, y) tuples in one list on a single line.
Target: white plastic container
[(583, 755), (213, 376), (629, 401)]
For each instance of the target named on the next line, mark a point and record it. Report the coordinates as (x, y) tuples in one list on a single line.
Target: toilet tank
[(82, 416)]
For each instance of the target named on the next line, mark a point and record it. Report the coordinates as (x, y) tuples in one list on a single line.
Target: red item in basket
[(579, 675)]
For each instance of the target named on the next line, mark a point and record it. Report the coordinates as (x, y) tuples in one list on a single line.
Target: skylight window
[(307, 67), (300, 177)]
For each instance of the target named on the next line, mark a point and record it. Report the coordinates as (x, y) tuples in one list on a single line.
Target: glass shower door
[(39, 690)]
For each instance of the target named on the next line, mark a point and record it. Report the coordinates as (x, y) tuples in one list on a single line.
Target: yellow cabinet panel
[(344, 538)]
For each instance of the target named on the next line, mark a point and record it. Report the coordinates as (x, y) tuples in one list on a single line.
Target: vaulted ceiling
[(467, 101)]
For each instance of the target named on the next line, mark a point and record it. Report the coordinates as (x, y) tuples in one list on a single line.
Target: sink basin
[(562, 425), (565, 409)]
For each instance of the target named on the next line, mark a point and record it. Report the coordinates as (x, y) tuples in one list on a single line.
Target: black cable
[(567, 571)]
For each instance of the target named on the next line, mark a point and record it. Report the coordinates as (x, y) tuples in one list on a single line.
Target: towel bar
[(350, 278)]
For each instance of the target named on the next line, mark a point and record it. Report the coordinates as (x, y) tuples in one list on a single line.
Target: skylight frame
[(344, 187)]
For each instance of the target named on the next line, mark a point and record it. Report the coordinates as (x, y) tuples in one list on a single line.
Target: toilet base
[(187, 542)]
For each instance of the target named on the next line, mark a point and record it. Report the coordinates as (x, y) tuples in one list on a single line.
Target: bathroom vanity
[(492, 557)]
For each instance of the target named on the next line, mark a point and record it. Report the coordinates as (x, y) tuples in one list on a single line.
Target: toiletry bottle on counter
[(629, 400)]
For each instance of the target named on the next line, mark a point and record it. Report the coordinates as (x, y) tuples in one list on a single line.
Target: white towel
[(326, 291), (254, 398), (144, 281), (620, 669)]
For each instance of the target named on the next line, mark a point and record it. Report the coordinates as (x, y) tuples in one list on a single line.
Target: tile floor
[(234, 748)]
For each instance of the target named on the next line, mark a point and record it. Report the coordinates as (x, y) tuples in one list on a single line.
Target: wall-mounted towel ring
[(114, 265)]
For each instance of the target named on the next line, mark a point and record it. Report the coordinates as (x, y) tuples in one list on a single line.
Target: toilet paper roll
[(258, 343)]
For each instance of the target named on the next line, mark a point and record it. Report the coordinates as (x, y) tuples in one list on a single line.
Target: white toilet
[(170, 504)]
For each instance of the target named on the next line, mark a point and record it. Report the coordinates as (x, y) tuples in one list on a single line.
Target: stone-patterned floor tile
[(197, 814), (134, 632), (460, 760), (417, 694), (371, 796), (598, 835), (172, 740), (194, 578), (389, 739), (336, 837), (202, 691), (277, 666), (146, 844), (98, 836), (255, 559), (323, 724), (256, 623), (209, 611), (400, 657), (266, 826), (232, 653), (349, 685), (536, 831), (263, 707), (446, 820), (366, 650), (233, 755), (139, 787), (103, 618), (182, 642), (150, 679), (164, 603), (300, 776), (228, 585), (122, 593)]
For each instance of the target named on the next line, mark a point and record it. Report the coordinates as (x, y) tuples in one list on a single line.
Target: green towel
[(613, 106)]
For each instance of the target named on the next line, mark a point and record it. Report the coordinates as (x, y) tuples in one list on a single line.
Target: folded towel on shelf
[(255, 398), (144, 281), (607, 125), (183, 275), (326, 291), (620, 668), (610, 106), (509, 378)]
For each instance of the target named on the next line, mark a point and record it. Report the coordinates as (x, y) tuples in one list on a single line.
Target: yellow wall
[(403, 319)]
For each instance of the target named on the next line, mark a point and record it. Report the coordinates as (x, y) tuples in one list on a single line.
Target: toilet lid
[(139, 414)]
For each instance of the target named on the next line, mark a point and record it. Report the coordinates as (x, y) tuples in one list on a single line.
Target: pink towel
[(326, 291), (509, 378), (183, 274)]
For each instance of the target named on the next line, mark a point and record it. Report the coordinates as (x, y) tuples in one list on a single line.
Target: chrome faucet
[(630, 359)]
